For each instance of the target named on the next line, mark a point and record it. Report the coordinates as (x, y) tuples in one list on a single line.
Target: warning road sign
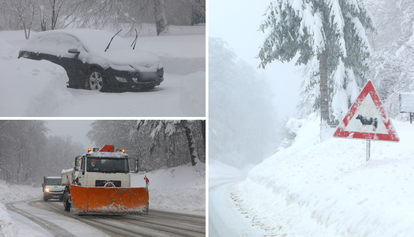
[(366, 119)]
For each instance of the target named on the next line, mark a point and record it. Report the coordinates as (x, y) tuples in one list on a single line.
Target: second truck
[(100, 183)]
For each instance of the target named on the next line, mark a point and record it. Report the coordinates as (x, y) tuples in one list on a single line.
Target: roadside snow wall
[(329, 189)]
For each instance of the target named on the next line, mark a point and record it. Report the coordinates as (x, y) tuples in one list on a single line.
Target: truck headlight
[(46, 190), (121, 79)]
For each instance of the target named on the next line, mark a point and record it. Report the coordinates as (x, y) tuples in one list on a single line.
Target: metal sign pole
[(368, 149)]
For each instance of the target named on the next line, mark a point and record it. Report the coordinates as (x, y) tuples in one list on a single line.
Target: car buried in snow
[(96, 60)]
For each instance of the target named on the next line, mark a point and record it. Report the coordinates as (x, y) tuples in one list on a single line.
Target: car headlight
[(121, 79), (46, 190), (160, 72)]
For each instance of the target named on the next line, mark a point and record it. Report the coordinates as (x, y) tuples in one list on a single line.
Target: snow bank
[(7, 226), (178, 189), (41, 87), (193, 94), (11, 193), (328, 189)]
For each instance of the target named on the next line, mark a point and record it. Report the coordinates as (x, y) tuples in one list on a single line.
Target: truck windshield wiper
[(107, 47), (135, 40)]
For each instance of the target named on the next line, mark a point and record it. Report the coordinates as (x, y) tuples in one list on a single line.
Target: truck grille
[(101, 183)]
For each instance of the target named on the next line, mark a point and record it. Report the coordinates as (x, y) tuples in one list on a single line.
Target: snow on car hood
[(128, 60)]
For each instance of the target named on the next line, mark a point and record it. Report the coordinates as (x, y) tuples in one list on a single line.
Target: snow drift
[(327, 188)]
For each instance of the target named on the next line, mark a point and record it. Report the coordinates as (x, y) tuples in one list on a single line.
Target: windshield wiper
[(107, 47), (135, 40)]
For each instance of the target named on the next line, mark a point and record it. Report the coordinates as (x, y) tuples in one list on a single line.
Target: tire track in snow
[(156, 223), (52, 228)]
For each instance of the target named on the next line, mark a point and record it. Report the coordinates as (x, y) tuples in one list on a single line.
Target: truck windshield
[(107, 165), (52, 181)]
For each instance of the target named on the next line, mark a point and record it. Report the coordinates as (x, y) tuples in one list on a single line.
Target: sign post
[(366, 119)]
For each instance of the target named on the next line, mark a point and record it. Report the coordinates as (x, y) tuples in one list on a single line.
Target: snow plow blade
[(100, 200)]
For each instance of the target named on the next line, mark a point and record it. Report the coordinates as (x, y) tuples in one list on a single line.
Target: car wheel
[(96, 81)]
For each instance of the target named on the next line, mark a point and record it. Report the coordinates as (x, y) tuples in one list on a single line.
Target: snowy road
[(38, 218), (225, 218)]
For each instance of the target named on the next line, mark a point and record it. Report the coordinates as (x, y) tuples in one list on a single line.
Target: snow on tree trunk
[(42, 18), (191, 143), (160, 18), (324, 100)]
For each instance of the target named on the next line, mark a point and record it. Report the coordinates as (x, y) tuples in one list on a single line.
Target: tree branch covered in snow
[(155, 143), (330, 38)]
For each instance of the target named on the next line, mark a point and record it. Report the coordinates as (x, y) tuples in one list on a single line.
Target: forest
[(143, 15), (337, 46), (27, 152)]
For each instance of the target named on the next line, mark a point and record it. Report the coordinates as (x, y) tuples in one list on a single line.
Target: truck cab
[(52, 188), (100, 182), (97, 169)]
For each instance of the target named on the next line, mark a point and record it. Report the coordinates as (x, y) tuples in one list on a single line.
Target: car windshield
[(107, 165), (98, 41), (53, 181)]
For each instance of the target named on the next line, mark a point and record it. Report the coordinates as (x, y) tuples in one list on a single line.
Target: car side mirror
[(74, 50)]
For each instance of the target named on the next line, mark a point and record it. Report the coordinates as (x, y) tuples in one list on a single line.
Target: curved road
[(50, 219), (225, 218)]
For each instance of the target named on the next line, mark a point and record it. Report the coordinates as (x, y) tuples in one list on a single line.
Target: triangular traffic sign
[(366, 119)]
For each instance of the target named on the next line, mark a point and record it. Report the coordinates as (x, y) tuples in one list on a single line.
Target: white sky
[(77, 129), (237, 22)]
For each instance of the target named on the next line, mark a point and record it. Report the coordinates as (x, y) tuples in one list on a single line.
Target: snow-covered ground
[(38, 89), (178, 189), (328, 188)]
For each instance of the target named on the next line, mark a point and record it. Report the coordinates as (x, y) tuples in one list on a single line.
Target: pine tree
[(329, 37)]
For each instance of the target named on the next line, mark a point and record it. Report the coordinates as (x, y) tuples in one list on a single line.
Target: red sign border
[(392, 134)]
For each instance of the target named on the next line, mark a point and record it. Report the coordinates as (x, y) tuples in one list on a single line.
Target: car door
[(74, 67), (45, 48)]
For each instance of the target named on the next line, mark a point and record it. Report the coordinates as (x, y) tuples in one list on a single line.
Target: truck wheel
[(66, 202), (45, 198)]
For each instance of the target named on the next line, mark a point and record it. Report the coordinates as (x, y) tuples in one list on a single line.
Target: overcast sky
[(77, 129), (237, 22)]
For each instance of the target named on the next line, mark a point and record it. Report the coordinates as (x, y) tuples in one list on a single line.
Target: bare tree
[(160, 19), (24, 12)]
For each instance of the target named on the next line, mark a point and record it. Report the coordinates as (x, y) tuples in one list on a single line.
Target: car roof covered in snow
[(92, 39)]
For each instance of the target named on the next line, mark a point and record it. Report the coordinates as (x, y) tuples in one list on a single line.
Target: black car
[(95, 59)]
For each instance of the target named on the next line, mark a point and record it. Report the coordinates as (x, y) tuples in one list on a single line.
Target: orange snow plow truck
[(100, 183)]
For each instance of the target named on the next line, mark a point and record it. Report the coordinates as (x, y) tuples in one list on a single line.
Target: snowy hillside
[(178, 189), (328, 188), (38, 89)]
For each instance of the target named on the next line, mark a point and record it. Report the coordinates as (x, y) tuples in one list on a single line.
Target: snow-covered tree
[(392, 64), (155, 143), (330, 38), (172, 128)]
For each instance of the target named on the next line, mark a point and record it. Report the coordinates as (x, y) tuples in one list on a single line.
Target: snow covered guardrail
[(407, 104)]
